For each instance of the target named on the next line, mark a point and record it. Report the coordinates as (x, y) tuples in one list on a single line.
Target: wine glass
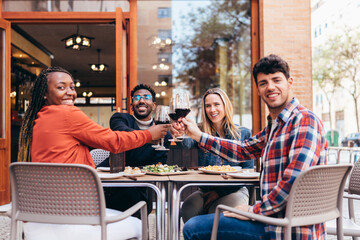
[(162, 117), (182, 107), (174, 117)]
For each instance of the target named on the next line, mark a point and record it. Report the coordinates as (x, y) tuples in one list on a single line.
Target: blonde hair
[(227, 123)]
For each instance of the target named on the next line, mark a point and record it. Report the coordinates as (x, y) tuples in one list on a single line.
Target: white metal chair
[(99, 155), (350, 227), (48, 194), (315, 197)]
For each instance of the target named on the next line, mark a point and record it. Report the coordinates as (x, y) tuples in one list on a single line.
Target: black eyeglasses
[(146, 97)]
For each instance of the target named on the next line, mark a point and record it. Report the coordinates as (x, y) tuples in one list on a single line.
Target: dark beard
[(140, 117)]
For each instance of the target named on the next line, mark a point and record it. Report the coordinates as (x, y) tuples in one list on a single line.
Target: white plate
[(168, 173), (245, 175), (110, 175), (104, 169), (220, 172), (135, 174)]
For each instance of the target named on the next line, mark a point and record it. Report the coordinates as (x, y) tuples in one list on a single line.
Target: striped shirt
[(298, 141)]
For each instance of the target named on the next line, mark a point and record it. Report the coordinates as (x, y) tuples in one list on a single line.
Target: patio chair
[(99, 155), (350, 227), (45, 195), (315, 197)]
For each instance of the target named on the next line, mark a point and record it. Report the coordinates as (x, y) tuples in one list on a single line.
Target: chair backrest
[(354, 183), (316, 195), (99, 155), (56, 193)]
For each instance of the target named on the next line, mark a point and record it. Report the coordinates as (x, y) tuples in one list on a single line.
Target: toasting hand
[(158, 131), (192, 130)]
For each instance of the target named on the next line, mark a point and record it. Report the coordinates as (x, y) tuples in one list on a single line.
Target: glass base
[(175, 140), (156, 146), (162, 149), (183, 137)]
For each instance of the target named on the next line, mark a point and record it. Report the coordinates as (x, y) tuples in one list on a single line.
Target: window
[(164, 34), (164, 12), (164, 57)]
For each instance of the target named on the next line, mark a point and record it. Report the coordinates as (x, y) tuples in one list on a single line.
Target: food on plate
[(162, 168), (130, 170), (224, 168)]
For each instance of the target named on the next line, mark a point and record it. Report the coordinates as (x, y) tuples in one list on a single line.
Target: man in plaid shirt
[(293, 140)]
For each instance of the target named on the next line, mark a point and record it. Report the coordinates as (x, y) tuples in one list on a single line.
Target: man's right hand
[(158, 131), (192, 129)]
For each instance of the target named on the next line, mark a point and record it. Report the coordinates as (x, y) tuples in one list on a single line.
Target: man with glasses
[(143, 103)]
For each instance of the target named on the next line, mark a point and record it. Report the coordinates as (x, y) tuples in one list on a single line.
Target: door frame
[(126, 18), (125, 50), (5, 120)]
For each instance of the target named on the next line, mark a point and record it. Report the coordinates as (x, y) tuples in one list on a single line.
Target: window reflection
[(65, 5), (211, 47)]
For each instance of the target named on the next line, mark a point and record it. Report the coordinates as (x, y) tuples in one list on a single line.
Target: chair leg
[(144, 222), (13, 227), (103, 231), (339, 228), (287, 233), (215, 224)]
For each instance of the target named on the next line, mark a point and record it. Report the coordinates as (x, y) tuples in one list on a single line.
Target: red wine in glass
[(182, 112), (162, 122), (161, 117), (174, 116)]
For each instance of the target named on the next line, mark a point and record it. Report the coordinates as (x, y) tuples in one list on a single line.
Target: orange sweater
[(62, 134)]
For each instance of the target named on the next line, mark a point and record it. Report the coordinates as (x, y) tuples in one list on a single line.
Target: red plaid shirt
[(298, 141)]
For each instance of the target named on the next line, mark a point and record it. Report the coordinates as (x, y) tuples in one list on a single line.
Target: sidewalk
[(5, 222)]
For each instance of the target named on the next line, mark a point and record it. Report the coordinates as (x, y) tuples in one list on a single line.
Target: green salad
[(162, 168)]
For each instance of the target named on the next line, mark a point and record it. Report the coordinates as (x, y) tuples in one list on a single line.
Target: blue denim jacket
[(206, 158)]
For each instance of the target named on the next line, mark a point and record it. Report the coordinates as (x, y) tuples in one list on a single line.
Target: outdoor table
[(157, 183), (197, 178)]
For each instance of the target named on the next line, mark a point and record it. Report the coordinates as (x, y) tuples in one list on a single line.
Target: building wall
[(285, 30), (329, 18)]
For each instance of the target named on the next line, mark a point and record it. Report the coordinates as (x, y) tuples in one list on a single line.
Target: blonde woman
[(216, 113)]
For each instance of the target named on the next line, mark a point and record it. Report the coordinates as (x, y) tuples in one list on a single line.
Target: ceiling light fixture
[(87, 94), (157, 42), (99, 67), (161, 66), (77, 42)]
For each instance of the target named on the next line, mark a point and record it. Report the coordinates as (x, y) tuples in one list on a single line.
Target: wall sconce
[(77, 83), (99, 67), (77, 42), (13, 94)]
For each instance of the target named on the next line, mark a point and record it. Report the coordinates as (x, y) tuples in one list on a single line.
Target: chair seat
[(129, 228), (349, 228)]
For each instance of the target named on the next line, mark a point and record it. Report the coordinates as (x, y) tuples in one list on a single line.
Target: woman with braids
[(216, 113), (54, 130)]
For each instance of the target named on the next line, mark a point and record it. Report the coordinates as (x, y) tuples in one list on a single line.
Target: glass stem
[(162, 142)]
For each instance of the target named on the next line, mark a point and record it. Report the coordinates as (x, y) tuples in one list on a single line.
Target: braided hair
[(37, 101)]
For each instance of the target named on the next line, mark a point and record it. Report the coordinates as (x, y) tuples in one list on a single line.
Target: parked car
[(355, 137)]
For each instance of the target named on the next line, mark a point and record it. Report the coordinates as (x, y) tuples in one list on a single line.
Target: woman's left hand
[(244, 208)]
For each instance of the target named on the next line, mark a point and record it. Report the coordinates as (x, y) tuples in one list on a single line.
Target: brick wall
[(285, 30)]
